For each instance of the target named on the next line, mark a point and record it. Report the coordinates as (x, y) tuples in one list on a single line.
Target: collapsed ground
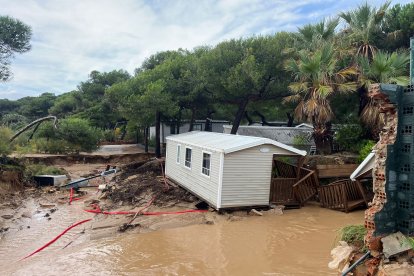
[(39, 214)]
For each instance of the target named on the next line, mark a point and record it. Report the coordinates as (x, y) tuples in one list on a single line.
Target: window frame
[(185, 157), (178, 154), (202, 161)]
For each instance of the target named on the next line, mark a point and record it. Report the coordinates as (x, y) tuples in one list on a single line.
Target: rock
[(89, 202), (340, 255), (235, 218), (210, 221), (277, 210), (395, 244), (47, 215), (53, 210), (255, 212), (47, 205), (7, 216), (26, 215), (4, 229), (104, 195), (375, 244)]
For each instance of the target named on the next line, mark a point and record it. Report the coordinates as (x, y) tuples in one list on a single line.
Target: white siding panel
[(246, 176), (201, 185)]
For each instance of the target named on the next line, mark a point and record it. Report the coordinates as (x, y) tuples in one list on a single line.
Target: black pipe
[(366, 255)]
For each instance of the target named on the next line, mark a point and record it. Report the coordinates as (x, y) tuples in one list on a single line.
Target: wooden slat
[(343, 195), (331, 171)]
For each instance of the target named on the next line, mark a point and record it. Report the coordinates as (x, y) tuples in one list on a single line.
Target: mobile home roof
[(227, 143)]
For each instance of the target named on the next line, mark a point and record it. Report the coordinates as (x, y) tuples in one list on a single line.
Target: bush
[(5, 135), (52, 146), (71, 135), (79, 134), (365, 149), (349, 136), (40, 169), (108, 135)]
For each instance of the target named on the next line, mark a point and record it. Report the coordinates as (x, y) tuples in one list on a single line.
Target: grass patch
[(40, 169), (353, 234)]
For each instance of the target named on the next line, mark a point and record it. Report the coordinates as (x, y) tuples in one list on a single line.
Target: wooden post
[(301, 159)]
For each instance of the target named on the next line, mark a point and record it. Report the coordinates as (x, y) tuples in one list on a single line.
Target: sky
[(71, 38)]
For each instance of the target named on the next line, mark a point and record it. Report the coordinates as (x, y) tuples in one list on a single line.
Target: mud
[(296, 242)]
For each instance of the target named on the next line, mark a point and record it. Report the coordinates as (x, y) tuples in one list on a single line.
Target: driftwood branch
[(38, 122)]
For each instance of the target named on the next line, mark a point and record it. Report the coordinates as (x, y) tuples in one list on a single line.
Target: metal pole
[(412, 60)]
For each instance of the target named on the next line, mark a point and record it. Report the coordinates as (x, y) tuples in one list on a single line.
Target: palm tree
[(317, 77), (383, 68), (364, 28)]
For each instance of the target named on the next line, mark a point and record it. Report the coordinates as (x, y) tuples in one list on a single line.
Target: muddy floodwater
[(295, 243)]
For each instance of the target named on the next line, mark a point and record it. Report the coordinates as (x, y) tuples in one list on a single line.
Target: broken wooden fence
[(344, 195)]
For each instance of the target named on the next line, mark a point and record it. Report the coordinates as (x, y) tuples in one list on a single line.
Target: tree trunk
[(209, 125), (290, 119), (179, 121), (323, 138), (264, 121), (193, 112), (157, 134), (38, 121), (249, 120), (146, 136), (239, 116)]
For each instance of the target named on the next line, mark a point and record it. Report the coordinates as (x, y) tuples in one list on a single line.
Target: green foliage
[(385, 68), (72, 135), (14, 38), (40, 169), (365, 149), (349, 136), (108, 135), (300, 140), (14, 121), (399, 25), (353, 234), (36, 107), (5, 135), (79, 134)]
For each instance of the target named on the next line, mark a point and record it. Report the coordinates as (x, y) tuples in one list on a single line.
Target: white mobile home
[(224, 170)]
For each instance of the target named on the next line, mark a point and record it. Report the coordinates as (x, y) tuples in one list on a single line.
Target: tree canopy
[(14, 38)]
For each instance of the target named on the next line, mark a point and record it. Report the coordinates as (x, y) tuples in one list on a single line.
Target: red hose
[(145, 213), (71, 196), (57, 237)]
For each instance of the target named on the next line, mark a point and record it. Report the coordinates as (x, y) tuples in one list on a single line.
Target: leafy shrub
[(71, 135), (40, 169), (349, 136), (79, 134), (108, 135), (365, 149), (53, 146), (300, 140), (5, 135)]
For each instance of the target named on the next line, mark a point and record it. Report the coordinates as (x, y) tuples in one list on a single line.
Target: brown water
[(296, 243)]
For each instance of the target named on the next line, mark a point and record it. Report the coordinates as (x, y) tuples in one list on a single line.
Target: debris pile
[(137, 181)]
